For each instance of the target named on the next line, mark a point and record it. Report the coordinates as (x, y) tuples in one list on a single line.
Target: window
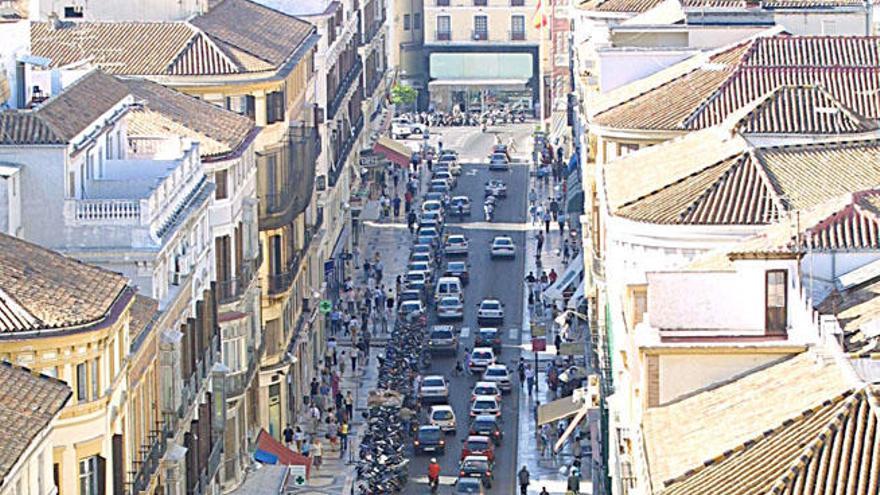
[(220, 180), (243, 104), (776, 300), (444, 26), (109, 147), (41, 484), (276, 255), (88, 476), (95, 376), (517, 3), (406, 22), (481, 3), (275, 107), (71, 184), (119, 153), (90, 165), (417, 21), (481, 27), (73, 12), (82, 383), (518, 27), (829, 28), (443, 3), (232, 355)]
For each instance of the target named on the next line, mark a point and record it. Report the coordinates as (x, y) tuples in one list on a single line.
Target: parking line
[(511, 334), (465, 331)]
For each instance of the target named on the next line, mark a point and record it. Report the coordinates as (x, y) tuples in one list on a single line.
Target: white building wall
[(120, 10), (824, 23)]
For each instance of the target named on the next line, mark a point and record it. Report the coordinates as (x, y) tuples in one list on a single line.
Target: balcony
[(372, 30), (517, 35), (229, 291), (443, 3), (443, 36), (286, 176), (151, 458), (342, 90), (373, 83), (193, 383), (479, 35), (345, 150), (236, 383), (481, 3)]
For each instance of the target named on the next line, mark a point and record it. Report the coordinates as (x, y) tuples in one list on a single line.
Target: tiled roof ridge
[(54, 136), (47, 105), (678, 181), (13, 312), (33, 372), (845, 398), (834, 143), (268, 9), (198, 34)]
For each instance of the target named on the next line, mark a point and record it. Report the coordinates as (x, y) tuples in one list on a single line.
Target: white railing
[(116, 211), (170, 195)]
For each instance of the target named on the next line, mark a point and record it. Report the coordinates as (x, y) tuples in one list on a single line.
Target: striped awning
[(559, 409), (394, 151)]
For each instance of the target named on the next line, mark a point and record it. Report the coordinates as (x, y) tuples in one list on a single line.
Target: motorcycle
[(489, 211)]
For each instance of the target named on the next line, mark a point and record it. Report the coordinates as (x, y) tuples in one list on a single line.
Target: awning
[(4, 87), (465, 83), (271, 451), (559, 409), (395, 152), (575, 300), (570, 276), (558, 124), (573, 162), (581, 414)]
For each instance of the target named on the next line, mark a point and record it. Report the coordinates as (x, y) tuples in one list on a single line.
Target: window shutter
[(118, 465), (102, 475)]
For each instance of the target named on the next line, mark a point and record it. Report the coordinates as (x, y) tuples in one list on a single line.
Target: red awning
[(395, 152), (285, 456)]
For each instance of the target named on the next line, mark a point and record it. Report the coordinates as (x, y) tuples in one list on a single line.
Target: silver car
[(450, 308), (499, 374), (434, 390)]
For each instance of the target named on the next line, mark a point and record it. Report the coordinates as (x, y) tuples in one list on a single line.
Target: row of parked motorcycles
[(460, 119), (383, 466)]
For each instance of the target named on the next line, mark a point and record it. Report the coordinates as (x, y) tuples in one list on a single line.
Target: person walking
[(317, 452), (288, 436), (530, 378), (349, 404), (560, 220), (521, 371), (343, 436), (523, 478), (554, 208), (395, 203), (547, 218)]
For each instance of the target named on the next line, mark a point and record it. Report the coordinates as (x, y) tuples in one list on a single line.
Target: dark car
[(486, 425), (477, 466), (410, 295), (489, 337), (469, 486), (429, 439), (457, 269)]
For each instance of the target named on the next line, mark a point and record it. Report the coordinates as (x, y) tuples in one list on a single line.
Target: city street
[(500, 279)]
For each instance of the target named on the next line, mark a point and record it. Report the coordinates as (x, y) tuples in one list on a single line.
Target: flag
[(540, 19)]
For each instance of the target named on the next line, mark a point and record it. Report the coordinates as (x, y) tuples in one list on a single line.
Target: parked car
[(400, 130), (456, 244), (457, 269), (443, 339), (434, 390), (481, 357), (420, 266), (487, 425), (478, 467), (429, 438), (490, 311), (499, 374), (450, 308), (478, 445), (442, 416), (502, 247), (488, 337)]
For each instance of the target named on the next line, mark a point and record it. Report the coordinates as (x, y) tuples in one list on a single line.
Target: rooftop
[(698, 433), (235, 36), (705, 89), (28, 402), (640, 6), (42, 289)]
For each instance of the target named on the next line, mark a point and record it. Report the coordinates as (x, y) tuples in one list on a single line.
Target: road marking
[(465, 331), (444, 480), (511, 334)]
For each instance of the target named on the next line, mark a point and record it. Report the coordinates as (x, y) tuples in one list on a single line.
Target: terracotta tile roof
[(829, 448), (235, 36), (24, 127), (803, 110), (640, 6), (704, 90), (28, 403), (51, 290), (168, 112), (623, 6), (144, 312), (683, 436)]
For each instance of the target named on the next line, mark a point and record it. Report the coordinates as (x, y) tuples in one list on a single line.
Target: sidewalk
[(549, 472)]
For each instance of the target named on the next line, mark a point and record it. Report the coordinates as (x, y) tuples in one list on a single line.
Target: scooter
[(489, 210)]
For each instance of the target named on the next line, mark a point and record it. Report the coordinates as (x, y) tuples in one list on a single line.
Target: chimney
[(54, 22)]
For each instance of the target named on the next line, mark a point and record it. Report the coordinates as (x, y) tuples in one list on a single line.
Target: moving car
[(429, 438), (502, 247), (413, 307), (487, 425), (495, 187), (400, 129), (499, 374), (490, 311), (478, 467), (481, 357), (478, 445), (432, 205), (463, 201), (485, 388), (486, 404), (488, 337), (444, 174), (450, 308), (451, 162), (410, 295), (419, 266), (442, 416), (439, 186), (442, 339), (440, 197), (422, 257), (434, 390), (456, 244), (457, 269), (416, 280), (499, 161), (468, 486)]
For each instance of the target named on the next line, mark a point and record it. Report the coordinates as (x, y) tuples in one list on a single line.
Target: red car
[(478, 445)]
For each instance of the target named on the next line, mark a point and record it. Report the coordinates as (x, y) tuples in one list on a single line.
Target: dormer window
[(776, 302), (73, 12)]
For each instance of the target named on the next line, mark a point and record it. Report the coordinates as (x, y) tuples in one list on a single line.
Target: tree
[(403, 95)]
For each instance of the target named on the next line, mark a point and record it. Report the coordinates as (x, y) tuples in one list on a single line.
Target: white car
[(413, 307), (452, 163), (450, 308), (499, 374), (481, 358), (434, 389), (442, 416), (414, 127), (486, 404), (400, 130), (456, 244), (420, 266), (485, 388), (490, 311), (502, 247), (432, 205)]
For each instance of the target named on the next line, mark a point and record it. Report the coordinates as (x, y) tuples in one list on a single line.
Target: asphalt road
[(499, 279)]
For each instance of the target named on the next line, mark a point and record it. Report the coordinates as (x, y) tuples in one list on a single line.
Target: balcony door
[(481, 27), (776, 302)]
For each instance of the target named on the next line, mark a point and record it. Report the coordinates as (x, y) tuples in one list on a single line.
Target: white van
[(448, 286)]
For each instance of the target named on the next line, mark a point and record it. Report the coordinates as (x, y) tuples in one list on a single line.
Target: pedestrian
[(306, 447), (530, 378), (574, 481), (546, 431), (540, 238), (378, 269), (349, 404), (566, 252), (298, 437), (313, 388), (317, 452), (560, 219), (554, 208), (524, 481), (288, 436), (547, 219), (354, 361), (366, 270), (521, 371), (544, 491), (396, 204), (342, 357), (577, 448), (552, 276), (343, 435), (533, 196)]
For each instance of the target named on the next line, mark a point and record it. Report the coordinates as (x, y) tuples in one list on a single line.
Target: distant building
[(30, 405)]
